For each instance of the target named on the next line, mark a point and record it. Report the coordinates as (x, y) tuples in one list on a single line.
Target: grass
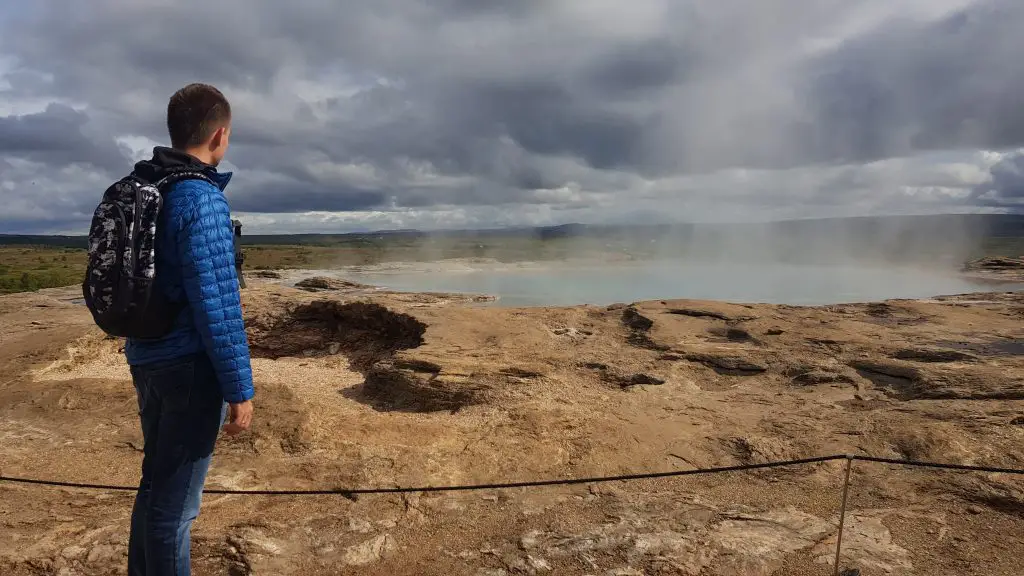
[(363, 252), (33, 267), (27, 268)]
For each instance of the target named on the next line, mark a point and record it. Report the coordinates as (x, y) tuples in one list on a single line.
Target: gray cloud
[(395, 105), (1007, 186), (56, 136), (301, 196), (905, 88)]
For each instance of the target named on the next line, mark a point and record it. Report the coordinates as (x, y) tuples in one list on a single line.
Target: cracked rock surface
[(362, 388)]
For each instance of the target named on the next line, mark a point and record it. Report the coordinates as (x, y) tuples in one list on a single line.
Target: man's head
[(199, 122)]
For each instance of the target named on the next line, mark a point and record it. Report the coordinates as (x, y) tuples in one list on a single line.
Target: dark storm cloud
[(545, 118), (500, 95), (55, 137), (907, 88), (302, 196), (43, 225), (1007, 186), (635, 68)]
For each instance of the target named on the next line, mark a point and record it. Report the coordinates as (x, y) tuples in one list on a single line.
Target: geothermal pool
[(562, 284)]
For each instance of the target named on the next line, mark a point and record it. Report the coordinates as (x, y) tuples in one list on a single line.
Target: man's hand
[(239, 417)]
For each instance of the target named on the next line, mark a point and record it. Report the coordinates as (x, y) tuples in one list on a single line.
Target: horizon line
[(587, 225)]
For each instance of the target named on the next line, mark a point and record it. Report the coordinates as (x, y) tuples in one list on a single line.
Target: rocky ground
[(363, 388), (997, 269)]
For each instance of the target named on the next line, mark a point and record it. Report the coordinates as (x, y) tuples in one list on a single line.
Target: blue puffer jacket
[(196, 263)]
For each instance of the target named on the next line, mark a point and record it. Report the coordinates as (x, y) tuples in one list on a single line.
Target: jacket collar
[(166, 161)]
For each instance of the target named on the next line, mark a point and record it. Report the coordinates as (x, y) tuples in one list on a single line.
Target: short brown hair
[(194, 113)]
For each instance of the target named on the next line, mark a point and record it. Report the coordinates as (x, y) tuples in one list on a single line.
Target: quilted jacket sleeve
[(207, 256)]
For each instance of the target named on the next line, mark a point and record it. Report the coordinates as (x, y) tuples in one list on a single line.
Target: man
[(189, 380)]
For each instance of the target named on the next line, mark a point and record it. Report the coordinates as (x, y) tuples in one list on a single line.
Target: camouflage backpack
[(121, 270)]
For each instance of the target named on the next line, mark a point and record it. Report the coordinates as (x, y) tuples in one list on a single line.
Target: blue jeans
[(182, 410)]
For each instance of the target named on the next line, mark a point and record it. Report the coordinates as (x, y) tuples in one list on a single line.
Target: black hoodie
[(167, 161)]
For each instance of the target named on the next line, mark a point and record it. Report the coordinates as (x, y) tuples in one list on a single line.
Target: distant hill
[(939, 234), (43, 240)]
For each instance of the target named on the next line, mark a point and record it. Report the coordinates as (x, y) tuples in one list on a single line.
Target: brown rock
[(323, 283)]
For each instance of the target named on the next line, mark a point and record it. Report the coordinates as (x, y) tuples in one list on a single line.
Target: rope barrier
[(455, 488), (534, 483), (351, 493), (919, 464)]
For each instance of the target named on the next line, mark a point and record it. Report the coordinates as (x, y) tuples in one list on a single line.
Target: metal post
[(842, 512), (239, 257)]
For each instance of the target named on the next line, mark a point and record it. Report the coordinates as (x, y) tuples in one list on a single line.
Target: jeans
[(182, 410)]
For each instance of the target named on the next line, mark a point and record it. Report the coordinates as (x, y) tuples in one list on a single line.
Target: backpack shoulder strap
[(175, 177)]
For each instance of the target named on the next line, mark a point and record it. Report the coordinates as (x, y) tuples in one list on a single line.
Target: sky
[(355, 116)]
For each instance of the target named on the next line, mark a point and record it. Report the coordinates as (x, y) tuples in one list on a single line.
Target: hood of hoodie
[(167, 161)]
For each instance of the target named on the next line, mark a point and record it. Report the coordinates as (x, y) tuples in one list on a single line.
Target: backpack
[(121, 270)]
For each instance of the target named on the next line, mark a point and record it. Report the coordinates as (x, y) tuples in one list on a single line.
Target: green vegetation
[(26, 268), (365, 252)]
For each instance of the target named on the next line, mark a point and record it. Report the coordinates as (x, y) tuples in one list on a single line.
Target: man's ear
[(218, 138)]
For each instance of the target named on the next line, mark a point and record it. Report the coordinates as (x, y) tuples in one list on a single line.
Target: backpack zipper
[(135, 229), (120, 305)]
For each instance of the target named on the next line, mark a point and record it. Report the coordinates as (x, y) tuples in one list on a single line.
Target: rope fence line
[(351, 493), (940, 465), (538, 483), (453, 488)]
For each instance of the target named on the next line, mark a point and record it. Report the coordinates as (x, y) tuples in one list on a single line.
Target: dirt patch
[(87, 355), (365, 332), (636, 321), (640, 327), (909, 382), (833, 346), (890, 314), (933, 355), (758, 450), (703, 313), (288, 432), (641, 379), (370, 335), (694, 313), (267, 274), (726, 365), (624, 381), (936, 444), (411, 387), (819, 377), (516, 372), (421, 366), (621, 380), (901, 382), (732, 334), (1004, 496), (996, 263), (990, 348), (997, 269)]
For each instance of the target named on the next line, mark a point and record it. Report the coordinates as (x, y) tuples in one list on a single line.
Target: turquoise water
[(602, 284)]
